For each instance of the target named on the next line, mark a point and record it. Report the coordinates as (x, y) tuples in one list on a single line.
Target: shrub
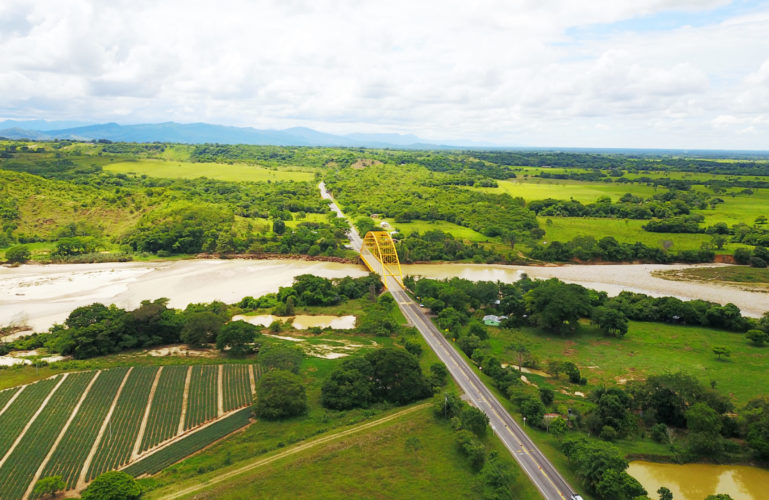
[(113, 485), (280, 394), (18, 254)]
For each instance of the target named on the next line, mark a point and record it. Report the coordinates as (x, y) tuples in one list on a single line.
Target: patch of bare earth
[(365, 162)]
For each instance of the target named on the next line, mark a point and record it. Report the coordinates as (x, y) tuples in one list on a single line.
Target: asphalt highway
[(539, 469)]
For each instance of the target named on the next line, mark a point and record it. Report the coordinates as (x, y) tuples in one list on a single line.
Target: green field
[(413, 456), (585, 192), (218, 171), (459, 232), (34, 421), (649, 348), (623, 230)]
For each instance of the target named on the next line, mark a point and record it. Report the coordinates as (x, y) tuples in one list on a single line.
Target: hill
[(196, 133)]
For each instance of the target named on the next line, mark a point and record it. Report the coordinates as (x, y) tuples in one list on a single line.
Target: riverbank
[(41, 295)]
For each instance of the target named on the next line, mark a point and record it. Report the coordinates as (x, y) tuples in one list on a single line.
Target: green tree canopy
[(18, 254), (281, 357), (237, 337), (49, 486), (113, 485), (555, 306), (280, 394)]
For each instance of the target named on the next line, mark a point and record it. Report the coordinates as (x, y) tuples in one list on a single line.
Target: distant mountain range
[(196, 133)]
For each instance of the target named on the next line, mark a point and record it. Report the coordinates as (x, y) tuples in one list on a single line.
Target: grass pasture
[(218, 171), (36, 419), (623, 230), (412, 456), (564, 189), (650, 348)]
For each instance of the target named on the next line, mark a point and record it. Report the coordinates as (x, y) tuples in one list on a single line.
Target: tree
[(472, 448), (237, 337), (546, 395), (200, 327), (49, 486), (113, 485), (720, 496), (473, 419), (720, 350), (438, 374), (554, 304), (718, 241), (664, 493), (610, 321), (533, 410), (349, 386), (278, 226), (758, 337), (396, 376), (18, 254), (280, 394), (558, 426), (281, 357)]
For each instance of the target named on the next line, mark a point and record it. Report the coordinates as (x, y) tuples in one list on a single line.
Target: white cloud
[(495, 70)]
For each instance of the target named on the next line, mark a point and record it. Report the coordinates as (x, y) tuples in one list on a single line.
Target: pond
[(302, 321), (697, 481)]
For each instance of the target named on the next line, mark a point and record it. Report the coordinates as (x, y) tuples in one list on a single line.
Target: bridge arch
[(379, 255)]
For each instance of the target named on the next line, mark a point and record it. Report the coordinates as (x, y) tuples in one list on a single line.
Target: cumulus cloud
[(495, 70)]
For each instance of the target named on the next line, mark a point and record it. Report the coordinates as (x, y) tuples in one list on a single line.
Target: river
[(41, 295), (697, 481)]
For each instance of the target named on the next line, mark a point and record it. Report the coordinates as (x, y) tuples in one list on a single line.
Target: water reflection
[(303, 321), (697, 481)]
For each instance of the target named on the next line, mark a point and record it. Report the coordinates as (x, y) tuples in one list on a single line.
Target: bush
[(113, 485), (280, 394), (18, 254), (281, 357), (742, 256), (757, 262), (472, 448), (660, 433)]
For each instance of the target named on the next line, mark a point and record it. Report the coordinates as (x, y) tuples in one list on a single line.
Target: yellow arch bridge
[(379, 255)]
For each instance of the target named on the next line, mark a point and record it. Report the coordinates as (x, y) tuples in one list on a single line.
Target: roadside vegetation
[(601, 380)]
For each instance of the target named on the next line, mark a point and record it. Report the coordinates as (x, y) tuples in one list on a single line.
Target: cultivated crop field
[(79, 425)]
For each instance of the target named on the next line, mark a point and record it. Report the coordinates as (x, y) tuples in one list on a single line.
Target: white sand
[(40, 295), (43, 295)]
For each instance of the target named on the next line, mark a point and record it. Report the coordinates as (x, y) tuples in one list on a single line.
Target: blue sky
[(598, 73)]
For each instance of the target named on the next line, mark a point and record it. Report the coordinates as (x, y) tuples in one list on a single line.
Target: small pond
[(697, 481), (303, 321)]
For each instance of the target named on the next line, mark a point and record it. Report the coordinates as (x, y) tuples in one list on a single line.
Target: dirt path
[(13, 398), (291, 451), (60, 436), (143, 426), (184, 400), (220, 392), (32, 420), (87, 464), (252, 379)]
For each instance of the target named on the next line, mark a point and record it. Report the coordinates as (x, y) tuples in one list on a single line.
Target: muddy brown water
[(697, 481), (40, 295), (302, 321)]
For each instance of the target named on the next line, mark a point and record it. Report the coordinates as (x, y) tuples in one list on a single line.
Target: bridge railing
[(379, 254)]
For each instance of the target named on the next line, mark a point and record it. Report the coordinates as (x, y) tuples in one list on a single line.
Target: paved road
[(539, 469)]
